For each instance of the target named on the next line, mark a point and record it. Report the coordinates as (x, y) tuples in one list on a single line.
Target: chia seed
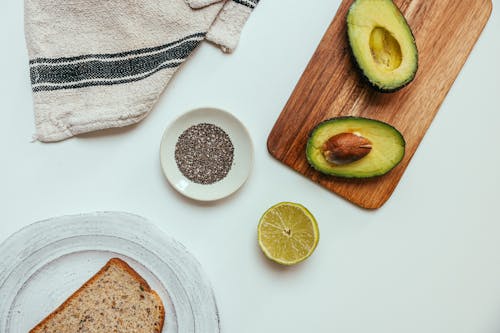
[(204, 153)]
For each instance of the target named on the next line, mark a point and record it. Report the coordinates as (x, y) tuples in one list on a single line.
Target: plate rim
[(23, 250)]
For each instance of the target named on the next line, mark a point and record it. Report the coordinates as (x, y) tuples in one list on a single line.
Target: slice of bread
[(115, 299)]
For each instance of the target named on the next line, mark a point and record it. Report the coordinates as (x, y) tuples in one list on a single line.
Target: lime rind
[(279, 245)]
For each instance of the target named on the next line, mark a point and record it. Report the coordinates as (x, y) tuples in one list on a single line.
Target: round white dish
[(47, 261), (242, 160)]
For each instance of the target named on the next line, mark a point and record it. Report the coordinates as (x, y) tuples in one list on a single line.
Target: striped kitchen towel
[(98, 64)]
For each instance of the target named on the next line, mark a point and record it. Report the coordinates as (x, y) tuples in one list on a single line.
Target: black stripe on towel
[(248, 3), (109, 69), (114, 55), (103, 83)]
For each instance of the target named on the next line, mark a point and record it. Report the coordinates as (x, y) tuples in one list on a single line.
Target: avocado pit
[(346, 148), (354, 147)]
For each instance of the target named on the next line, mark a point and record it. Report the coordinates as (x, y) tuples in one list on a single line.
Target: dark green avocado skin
[(362, 72)]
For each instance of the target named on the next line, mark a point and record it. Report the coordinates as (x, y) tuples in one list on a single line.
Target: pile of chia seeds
[(204, 153)]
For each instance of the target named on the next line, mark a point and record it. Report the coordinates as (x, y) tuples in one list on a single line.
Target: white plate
[(46, 262), (242, 160)]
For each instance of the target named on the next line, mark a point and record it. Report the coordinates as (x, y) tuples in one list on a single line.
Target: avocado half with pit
[(355, 147), (382, 44)]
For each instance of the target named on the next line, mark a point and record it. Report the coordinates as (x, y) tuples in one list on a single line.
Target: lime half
[(288, 233)]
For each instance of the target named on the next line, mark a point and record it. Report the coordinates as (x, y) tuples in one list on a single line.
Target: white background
[(428, 261)]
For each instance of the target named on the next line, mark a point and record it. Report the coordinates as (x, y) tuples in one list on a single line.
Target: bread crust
[(110, 263)]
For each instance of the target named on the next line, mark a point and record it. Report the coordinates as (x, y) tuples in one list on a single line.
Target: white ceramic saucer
[(242, 160)]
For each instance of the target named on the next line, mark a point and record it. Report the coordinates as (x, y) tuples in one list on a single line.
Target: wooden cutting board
[(445, 32)]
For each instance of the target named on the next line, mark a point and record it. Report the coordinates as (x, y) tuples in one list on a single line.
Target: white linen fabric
[(98, 64)]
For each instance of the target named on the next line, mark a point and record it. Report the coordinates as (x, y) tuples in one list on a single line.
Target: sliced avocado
[(382, 44), (354, 147)]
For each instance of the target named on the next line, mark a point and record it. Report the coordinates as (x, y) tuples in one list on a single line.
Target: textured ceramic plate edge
[(30, 239)]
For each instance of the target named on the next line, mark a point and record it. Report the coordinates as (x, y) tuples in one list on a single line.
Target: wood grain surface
[(445, 32)]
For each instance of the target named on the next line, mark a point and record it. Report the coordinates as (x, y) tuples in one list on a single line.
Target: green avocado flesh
[(382, 44), (388, 147)]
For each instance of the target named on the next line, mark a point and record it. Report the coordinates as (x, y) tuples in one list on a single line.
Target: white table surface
[(428, 261)]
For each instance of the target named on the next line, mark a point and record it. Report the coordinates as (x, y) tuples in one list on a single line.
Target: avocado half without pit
[(382, 44), (355, 147)]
